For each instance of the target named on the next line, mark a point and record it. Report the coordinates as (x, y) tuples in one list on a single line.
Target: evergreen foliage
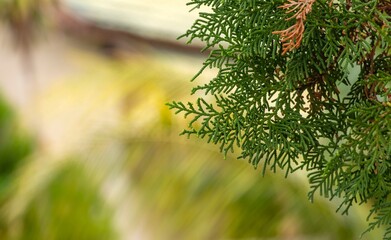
[(301, 85)]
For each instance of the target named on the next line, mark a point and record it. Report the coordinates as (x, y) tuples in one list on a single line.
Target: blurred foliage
[(188, 194), (66, 205), (14, 147), (70, 207)]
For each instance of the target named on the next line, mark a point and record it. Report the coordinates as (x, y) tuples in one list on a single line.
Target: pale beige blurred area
[(162, 19), (50, 61), (51, 94)]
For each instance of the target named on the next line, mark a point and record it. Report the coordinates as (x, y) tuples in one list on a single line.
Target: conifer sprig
[(314, 95)]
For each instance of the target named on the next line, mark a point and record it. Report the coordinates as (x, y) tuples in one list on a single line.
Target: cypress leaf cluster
[(301, 85)]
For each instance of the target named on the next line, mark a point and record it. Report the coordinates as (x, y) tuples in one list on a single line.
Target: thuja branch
[(315, 95)]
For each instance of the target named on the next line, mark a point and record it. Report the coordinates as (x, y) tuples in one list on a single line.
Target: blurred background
[(89, 150)]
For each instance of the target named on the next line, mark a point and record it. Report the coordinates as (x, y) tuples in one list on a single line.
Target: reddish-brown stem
[(291, 37)]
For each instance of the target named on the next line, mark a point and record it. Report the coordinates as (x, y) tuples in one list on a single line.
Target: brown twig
[(370, 90), (291, 37)]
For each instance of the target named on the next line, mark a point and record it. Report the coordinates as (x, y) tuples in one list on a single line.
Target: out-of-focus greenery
[(14, 147), (69, 207), (67, 204)]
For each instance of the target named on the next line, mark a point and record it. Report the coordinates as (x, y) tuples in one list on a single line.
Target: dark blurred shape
[(15, 146), (118, 24)]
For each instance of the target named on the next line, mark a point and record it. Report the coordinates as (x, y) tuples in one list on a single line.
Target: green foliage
[(14, 147), (70, 207), (203, 198), (304, 109)]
